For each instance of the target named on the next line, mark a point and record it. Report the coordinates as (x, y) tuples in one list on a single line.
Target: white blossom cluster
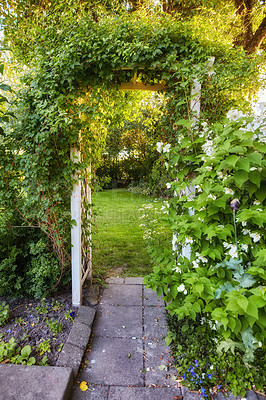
[(163, 148), (208, 148), (257, 125), (198, 259), (232, 249)]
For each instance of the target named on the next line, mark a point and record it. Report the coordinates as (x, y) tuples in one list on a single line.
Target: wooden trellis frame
[(81, 252)]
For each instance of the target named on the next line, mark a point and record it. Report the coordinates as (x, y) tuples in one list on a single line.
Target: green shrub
[(4, 313), (224, 280)]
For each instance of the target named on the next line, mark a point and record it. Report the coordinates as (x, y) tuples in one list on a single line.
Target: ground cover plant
[(120, 224), (220, 217), (32, 331)]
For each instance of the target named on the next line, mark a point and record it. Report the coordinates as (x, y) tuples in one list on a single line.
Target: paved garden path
[(128, 357)]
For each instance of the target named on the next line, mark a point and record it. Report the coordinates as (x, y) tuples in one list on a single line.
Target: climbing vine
[(76, 65)]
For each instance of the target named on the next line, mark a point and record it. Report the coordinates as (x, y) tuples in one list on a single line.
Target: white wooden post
[(76, 237), (190, 190)]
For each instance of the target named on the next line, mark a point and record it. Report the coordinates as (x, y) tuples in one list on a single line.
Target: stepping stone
[(151, 299), (123, 295), (114, 362), (119, 322), (158, 368), (155, 326), (143, 393)]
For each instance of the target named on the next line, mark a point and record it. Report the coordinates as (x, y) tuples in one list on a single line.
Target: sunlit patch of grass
[(119, 248)]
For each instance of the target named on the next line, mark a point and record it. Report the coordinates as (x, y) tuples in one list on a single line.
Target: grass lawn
[(118, 245)]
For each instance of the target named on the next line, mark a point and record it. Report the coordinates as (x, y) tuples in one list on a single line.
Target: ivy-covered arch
[(66, 98)]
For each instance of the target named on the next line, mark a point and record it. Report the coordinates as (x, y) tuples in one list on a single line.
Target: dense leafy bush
[(224, 279), (28, 265), (201, 365)]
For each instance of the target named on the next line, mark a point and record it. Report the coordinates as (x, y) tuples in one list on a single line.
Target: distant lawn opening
[(122, 232)]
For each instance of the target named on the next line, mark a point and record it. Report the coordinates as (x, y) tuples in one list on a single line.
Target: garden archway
[(81, 253), (60, 113)]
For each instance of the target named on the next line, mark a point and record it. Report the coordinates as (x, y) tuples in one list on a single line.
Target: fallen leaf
[(178, 398), (83, 386), (129, 355)]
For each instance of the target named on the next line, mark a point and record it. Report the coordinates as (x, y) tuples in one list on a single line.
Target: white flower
[(182, 288), (159, 146), (166, 148), (253, 169), (195, 264), (208, 168), (226, 245), (228, 191), (203, 159), (203, 259), (212, 196), (166, 165), (255, 237), (244, 247), (245, 231), (256, 203), (168, 185), (220, 174), (234, 114), (208, 148), (233, 251), (244, 223), (188, 240), (177, 269)]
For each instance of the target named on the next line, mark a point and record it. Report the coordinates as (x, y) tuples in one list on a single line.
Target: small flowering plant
[(217, 214)]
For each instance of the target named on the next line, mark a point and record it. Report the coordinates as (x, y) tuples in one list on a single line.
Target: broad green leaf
[(242, 302), (255, 177), (243, 163), (255, 158), (252, 309), (240, 177)]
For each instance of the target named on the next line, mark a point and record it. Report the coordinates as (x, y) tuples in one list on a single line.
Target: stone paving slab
[(124, 295), (70, 356), (114, 362), (151, 299), (115, 280), (118, 321), (145, 393), (158, 364), (85, 316), (155, 325), (95, 392), (79, 336), (21, 382), (133, 281)]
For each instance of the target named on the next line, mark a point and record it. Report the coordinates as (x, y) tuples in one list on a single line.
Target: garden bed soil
[(29, 321)]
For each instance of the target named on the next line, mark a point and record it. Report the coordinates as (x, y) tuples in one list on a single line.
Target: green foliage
[(44, 347), (27, 264), (54, 325), (68, 99), (4, 313), (16, 355), (201, 365), (224, 280)]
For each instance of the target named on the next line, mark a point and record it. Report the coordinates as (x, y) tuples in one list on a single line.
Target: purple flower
[(184, 377), (196, 363), (235, 204), (219, 386), (209, 376), (72, 314), (8, 330)]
